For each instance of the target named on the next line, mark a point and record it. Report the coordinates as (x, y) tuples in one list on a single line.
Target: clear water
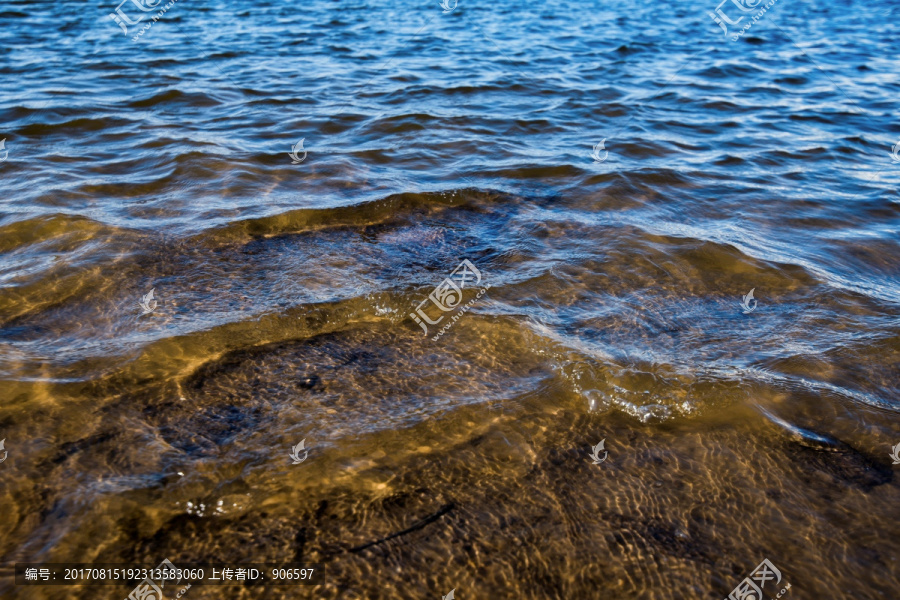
[(284, 291)]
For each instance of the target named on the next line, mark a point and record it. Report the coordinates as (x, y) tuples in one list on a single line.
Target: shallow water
[(284, 292)]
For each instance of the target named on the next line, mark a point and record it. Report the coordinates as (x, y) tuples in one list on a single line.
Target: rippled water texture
[(609, 306)]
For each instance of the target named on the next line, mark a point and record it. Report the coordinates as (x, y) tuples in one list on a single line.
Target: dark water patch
[(843, 464), (82, 125), (173, 98), (69, 448), (370, 379)]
